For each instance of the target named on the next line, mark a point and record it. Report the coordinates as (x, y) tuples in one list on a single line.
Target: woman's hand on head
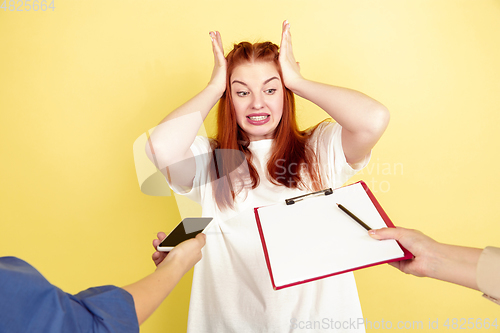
[(289, 67), (218, 79)]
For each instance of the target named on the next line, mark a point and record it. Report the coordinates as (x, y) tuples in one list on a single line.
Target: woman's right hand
[(218, 79)]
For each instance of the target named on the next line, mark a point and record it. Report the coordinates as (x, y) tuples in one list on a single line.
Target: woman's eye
[(270, 91), (242, 93)]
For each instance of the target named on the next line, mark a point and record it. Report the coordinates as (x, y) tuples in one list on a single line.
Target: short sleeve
[(327, 142), (112, 309), (488, 273), (202, 154), (29, 303)]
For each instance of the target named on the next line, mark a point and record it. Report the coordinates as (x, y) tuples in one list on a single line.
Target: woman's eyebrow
[(265, 82), (236, 81), (268, 80)]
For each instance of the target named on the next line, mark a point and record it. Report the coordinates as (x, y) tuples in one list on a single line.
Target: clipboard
[(312, 239)]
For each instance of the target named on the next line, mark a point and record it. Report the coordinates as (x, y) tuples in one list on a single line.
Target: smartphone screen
[(188, 228)]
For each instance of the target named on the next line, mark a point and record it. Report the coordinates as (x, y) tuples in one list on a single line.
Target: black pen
[(354, 217)]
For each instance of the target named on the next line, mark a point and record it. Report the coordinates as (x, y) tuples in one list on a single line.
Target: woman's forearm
[(353, 110), (362, 118), (171, 139)]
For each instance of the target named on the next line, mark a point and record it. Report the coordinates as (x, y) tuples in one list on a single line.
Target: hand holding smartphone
[(186, 229)]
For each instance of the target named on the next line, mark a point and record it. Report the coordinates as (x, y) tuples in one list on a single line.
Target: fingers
[(219, 41), (284, 36), (202, 239), (387, 233), (158, 257), (222, 59), (213, 37), (218, 79), (194, 244), (285, 27), (217, 47), (286, 51), (161, 236)]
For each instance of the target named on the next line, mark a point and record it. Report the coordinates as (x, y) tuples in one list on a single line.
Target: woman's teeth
[(257, 118)]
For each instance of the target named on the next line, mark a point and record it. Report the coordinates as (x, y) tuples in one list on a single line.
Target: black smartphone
[(186, 229)]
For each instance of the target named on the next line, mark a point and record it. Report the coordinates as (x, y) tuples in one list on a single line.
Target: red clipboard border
[(406, 254)]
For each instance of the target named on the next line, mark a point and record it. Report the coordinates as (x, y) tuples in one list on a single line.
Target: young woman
[(255, 87)]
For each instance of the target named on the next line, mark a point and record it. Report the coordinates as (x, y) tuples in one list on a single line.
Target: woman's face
[(257, 95)]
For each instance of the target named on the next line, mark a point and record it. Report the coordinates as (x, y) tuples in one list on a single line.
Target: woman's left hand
[(289, 67)]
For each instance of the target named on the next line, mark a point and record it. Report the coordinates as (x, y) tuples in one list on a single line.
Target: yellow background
[(79, 84)]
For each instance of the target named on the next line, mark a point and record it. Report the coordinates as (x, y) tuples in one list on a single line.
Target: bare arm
[(362, 118), (455, 264), (150, 292), (170, 141)]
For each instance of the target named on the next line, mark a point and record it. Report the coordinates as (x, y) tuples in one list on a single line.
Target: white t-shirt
[(232, 290)]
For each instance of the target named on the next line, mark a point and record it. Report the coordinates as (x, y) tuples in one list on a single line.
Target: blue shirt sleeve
[(29, 303)]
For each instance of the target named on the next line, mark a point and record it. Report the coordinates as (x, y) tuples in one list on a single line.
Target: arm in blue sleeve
[(29, 303)]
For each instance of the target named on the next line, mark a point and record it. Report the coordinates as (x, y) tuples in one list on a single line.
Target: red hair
[(289, 151)]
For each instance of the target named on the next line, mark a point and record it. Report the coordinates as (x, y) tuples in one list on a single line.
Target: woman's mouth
[(258, 119)]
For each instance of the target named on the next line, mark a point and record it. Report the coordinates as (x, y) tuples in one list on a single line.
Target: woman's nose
[(257, 102)]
